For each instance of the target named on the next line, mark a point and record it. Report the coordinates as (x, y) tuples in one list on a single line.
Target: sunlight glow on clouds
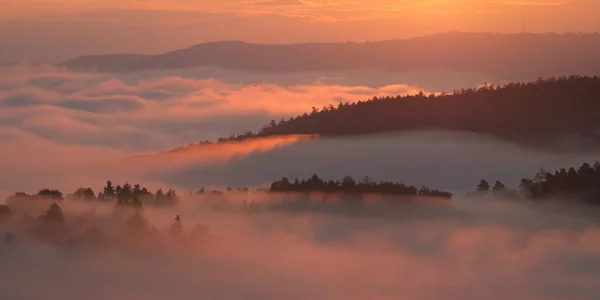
[(89, 121), (155, 113)]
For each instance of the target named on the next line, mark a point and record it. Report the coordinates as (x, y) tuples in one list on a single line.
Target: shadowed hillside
[(533, 113), (512, 56)]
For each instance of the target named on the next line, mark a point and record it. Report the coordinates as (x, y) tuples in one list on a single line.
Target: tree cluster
[(499, 190), (349, 186), (127, 194), (582, 183), (50, 194)]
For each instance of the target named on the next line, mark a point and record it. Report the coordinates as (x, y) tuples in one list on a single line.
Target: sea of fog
[(443, 160), (473, 248), (449, 161), (63, 129)]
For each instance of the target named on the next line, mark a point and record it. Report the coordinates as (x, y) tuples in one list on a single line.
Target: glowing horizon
[(59, 26), (541, 12)]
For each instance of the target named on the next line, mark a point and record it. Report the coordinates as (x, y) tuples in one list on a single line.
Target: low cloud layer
[(78, 124), (65, 130), (492, 250), (155, 113), (445, 160)]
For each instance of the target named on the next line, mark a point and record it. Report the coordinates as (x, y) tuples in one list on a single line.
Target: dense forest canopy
[(582, 183), (349, 186), (533, 112)]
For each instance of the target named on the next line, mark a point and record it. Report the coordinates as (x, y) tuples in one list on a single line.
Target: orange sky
[(541, 13), (151, 26)]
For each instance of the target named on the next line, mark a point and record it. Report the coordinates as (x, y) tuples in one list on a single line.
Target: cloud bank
[(54, 121), (488, 251), (155, 113), (65, 130)]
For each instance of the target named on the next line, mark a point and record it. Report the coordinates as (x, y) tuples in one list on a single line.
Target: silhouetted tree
[(55, 214), (84, 194), (136, 203), (483, 187), (349, 186), (51, 194), (159, 196), (171, 197), (499, 190), (108, 193)]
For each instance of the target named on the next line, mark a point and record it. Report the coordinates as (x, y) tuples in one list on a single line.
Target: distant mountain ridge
[(499, 54)]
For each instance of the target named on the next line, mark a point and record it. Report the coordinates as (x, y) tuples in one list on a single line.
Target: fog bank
[(492, 250)]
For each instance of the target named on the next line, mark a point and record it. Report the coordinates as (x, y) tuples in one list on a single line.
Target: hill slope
[(533, 112), (504, 55)]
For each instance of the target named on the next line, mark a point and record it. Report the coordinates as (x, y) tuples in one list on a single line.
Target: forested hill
[(545, 109), (506, 56)]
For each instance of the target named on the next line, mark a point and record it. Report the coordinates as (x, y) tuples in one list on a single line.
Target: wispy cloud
[(160, 106), (60, 113)]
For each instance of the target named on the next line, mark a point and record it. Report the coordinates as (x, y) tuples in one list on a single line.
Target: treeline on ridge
[(137, 196), (349, 186), (581, 184), (542, 109), (125, 194)]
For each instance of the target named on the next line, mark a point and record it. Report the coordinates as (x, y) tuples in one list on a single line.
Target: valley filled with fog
[(69, 129), (476, 247), (299, 150)]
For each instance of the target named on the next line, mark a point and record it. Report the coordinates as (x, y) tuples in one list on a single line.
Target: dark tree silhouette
[(109, 193), (51, 194), (348, 186), (479, 110), (171, 197), (159, 196), (582, 184), (483, 187), (55, 214), (499, 189), (83, 194)]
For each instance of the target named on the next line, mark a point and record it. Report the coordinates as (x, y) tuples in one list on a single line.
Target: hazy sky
[(51, 30)]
